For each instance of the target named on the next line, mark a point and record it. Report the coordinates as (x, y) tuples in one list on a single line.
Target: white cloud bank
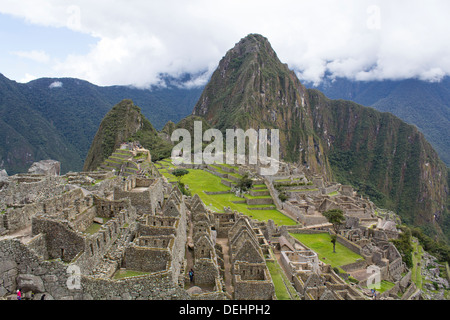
[(139, 40)]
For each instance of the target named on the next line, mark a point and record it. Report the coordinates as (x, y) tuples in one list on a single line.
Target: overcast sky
[(133, 42)]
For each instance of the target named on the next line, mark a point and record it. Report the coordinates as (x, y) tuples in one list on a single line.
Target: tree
[(179, 173), (282, 196), (245, 183), (335, 217), (333, 241)]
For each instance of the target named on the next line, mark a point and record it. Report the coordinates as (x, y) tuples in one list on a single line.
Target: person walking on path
[(19, 295), (191, 275)]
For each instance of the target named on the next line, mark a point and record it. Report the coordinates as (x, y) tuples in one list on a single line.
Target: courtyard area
[(321, 244)]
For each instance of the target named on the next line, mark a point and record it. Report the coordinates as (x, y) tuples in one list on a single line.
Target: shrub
[(353, 280), (183, 189), (283, 197), (245, 183)]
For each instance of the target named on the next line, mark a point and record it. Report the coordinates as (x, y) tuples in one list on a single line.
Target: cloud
[(35, 55), (55, 84), (139, 41)]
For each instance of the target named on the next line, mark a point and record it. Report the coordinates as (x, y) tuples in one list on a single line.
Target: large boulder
[(29, 282), (4, 179), (46, 167)]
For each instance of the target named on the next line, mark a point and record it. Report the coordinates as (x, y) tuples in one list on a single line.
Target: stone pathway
[(23, 235), (226, 260)]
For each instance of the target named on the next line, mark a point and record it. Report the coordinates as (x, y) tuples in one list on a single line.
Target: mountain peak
[(252, 87), (252, 43), (124, 122)]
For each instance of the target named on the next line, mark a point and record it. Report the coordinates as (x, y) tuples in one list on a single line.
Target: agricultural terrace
[(201, 182)]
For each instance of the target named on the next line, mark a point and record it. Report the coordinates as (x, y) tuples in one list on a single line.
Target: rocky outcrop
[(3, 178), (46, 167)]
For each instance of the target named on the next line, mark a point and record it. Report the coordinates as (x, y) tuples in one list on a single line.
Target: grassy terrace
[(321, 244), (120, 274), (382, 286), (287, 180), (283, 287), (95, 227), (198, 181), (416, 273)]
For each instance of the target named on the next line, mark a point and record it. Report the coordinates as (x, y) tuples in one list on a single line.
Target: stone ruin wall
[(25, 188), (51, 276), (69, 245), (148, 258), (21, 267), (61, 206), (141, 200), (252, 281), (148, 253)]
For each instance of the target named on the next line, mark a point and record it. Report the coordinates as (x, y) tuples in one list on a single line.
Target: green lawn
[(198, 181), (382, 286), (416, 273), (321, 244), (128, 273), (257, 197), (93, 228), (277, 274)]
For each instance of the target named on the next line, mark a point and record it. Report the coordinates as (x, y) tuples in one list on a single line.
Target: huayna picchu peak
[(251, 88), (357, 209)]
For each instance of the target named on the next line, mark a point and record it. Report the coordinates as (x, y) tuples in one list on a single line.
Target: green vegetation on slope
[(422, 103), (39, 121), (385, 159)]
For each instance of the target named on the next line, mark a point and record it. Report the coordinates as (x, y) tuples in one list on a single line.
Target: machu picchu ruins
[(126, 231)]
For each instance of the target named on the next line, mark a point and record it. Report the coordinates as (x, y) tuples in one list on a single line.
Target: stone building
[(206, 260), (251, 278), (160, 239)]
